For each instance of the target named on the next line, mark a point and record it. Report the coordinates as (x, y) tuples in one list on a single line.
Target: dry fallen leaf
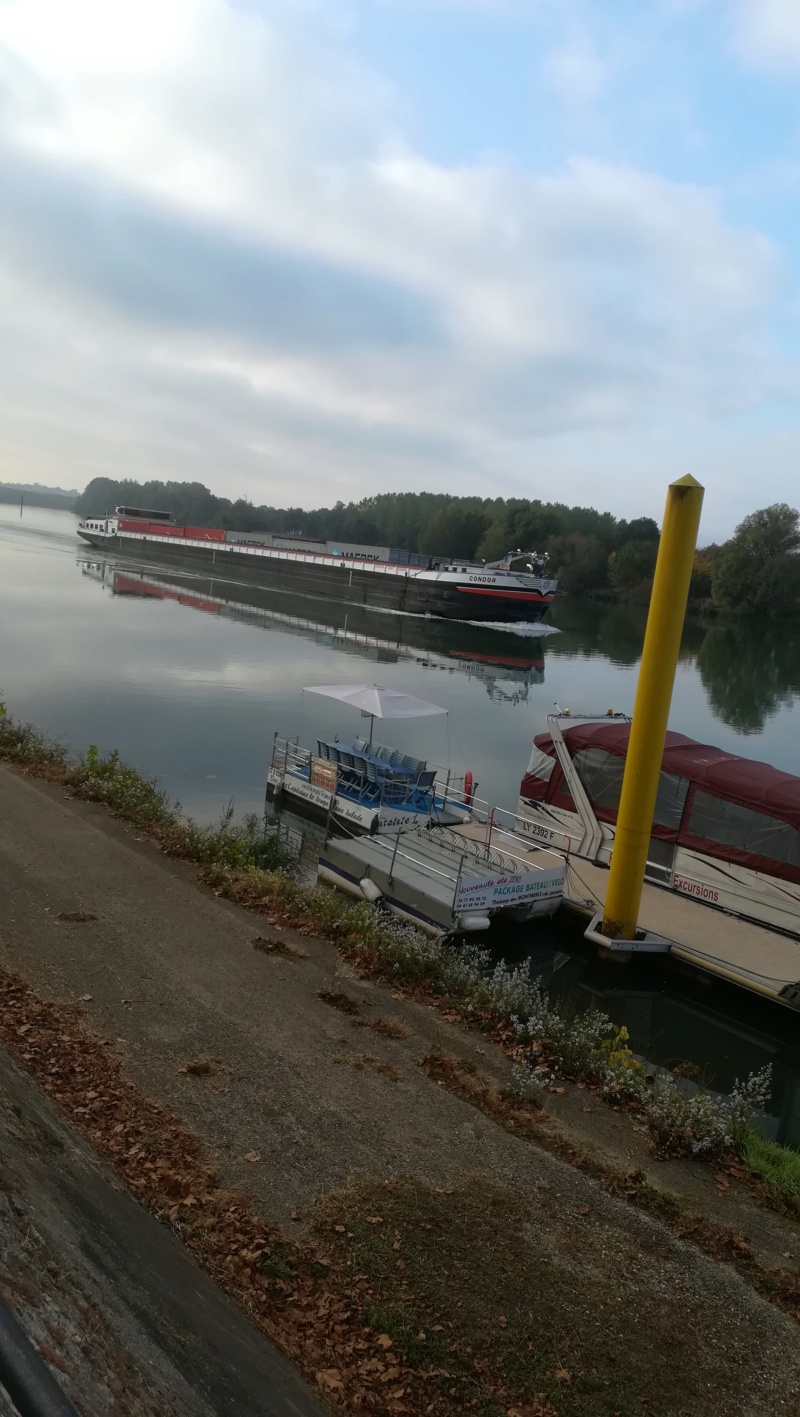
[(252, 1156), (383, 1340), (584, 1209), (329, 1377)]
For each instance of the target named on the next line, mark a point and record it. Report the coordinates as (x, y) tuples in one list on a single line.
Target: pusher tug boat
[(513, 590), (726, 830)]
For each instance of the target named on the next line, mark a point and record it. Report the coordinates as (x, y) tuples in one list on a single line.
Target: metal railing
[(446, 791), (502, 824)]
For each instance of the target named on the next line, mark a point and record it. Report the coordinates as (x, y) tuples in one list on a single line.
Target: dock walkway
[(758, 959)]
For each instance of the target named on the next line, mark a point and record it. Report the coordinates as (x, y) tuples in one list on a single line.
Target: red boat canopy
[(743, 780)]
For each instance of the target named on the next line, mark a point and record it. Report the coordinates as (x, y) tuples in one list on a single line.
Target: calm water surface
[(189, 678)]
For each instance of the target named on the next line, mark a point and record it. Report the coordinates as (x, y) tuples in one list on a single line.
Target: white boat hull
[(707, 879), (359, 816)]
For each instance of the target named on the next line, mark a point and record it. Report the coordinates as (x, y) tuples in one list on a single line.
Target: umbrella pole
[(371, 728)]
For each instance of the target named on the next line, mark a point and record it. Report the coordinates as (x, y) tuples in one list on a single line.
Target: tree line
[(591, 553)]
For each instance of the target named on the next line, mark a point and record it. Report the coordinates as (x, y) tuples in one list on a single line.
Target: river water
[(189, 678)]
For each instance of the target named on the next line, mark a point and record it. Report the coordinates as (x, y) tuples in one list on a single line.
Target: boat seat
[(416, 765), (396, 759), (345, 759), (324, 750), (361, 745), (373, 783)]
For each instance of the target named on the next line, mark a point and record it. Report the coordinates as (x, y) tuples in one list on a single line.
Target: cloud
[(221, 259), (768, 32), (575, 71)]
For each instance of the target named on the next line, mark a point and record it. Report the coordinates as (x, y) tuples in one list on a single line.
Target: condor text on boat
[(509, 591), (364, 785), (726, 829)]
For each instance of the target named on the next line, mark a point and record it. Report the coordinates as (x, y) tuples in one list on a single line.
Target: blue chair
[(373, 781), (361, 744), (415, 765), (423, 788), (396, 792), (396, 759)]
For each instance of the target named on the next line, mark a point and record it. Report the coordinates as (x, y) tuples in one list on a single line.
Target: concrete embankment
[(128, 1321), (301, 1097)]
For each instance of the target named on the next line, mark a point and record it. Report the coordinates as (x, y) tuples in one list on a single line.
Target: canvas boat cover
[(743, 780)]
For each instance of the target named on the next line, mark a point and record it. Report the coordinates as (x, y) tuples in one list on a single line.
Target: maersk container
[(357, 552)]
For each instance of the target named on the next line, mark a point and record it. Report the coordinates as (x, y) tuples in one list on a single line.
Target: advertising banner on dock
[(485, 892)]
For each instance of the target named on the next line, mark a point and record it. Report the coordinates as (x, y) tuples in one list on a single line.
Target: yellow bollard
[(651, 708)]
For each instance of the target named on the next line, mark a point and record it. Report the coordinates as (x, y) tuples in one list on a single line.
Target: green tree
[(641, 529), (580, 563), (454, 531), (758, 570), (630, 569), (703, 573)]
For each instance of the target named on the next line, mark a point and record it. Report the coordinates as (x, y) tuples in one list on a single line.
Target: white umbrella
[(376, 701)]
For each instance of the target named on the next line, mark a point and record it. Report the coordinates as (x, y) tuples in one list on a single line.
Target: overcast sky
[(303, 250)]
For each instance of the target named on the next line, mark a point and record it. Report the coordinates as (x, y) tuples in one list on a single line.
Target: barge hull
[(349, 585)]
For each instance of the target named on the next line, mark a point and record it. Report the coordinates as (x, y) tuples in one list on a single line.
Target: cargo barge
[(513, 590)]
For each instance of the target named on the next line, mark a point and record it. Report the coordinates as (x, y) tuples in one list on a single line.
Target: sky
[(310, 250)]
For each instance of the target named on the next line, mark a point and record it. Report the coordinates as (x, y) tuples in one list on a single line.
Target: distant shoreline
[(47, 497)]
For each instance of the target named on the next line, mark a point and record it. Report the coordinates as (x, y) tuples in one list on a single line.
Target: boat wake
[(535, 630)]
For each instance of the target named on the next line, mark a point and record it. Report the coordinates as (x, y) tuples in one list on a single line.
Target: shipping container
[(356, 552)]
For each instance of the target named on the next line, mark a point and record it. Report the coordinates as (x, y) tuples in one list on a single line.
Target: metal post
[(458, 882), (330, 808), (394, 857), (651, 708)]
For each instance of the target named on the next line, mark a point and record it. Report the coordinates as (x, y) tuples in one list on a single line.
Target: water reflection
[(505, 664), (615, 631), (750, 671)]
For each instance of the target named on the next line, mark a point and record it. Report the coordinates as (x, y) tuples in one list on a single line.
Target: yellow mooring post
[(651, 709)]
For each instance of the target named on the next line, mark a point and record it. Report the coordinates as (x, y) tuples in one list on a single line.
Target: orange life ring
[(468, 789)]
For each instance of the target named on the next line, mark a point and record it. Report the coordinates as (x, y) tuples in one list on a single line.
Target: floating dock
[(441, 882), (763, 961)]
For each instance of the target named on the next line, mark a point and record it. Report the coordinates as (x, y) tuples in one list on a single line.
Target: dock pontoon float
[(444, 882)]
